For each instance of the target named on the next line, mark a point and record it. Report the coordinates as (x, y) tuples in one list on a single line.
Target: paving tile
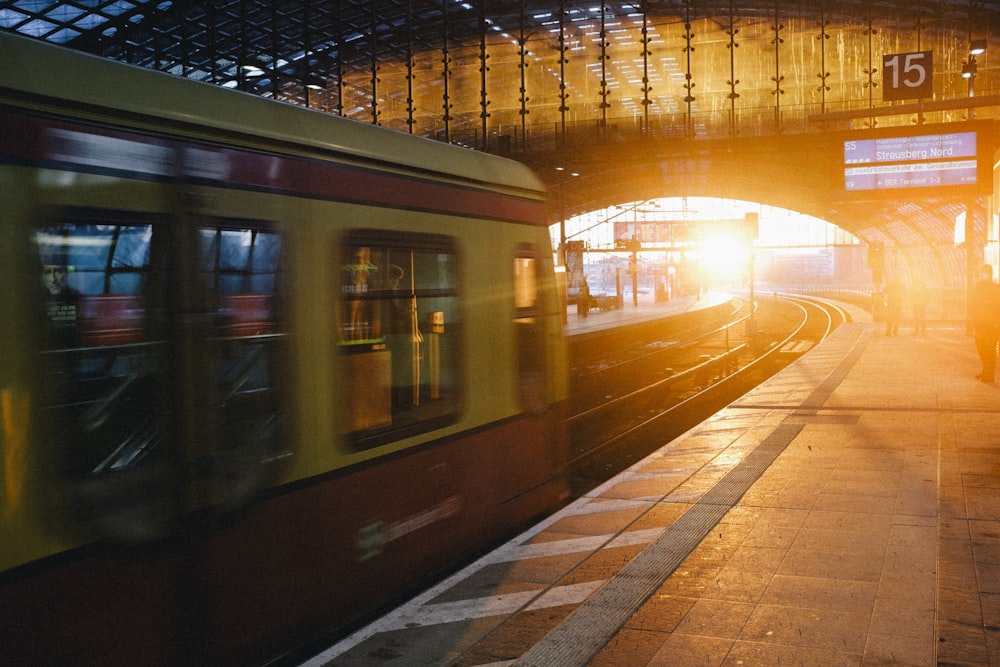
[(872, 545), (783, 518), (602, 564), (511, 577), (885, 489), (745, 653), (513, 637), (909, 620), (547, 536), (853, 566), (824, 629), (895, 650), (716, 618), (993, 645), (957, 576), (951, 633), (983, 503), (859, 521), (991, 611), (911, 561), (691, 651), (737, 585), (603, 523), (922, 503), (660, 516), (629, 648), (848, 502), (661, 613), (692, 577), (758, 559), (914, 537), (652, 488), (821, 593), (426, 645), (957, 653), (987, 556), (780, 537)]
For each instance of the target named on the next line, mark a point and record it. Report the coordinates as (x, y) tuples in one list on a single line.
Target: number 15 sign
[(907, 76)]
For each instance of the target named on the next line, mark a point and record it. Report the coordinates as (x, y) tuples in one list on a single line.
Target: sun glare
[(723, 259)]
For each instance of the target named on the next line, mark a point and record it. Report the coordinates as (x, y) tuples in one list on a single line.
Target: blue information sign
[(911, 149), (908, 162), (911, 175)]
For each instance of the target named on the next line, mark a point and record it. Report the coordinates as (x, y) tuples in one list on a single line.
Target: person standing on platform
[(583, 299), (893, 306), (984, 310), (918, 304)]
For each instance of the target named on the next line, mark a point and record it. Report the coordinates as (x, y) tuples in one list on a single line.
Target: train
[(263, 370)]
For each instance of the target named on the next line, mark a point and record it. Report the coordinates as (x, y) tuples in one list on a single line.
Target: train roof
[(58, 77)]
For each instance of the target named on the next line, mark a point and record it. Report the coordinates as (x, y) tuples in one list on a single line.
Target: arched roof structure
[(390, 61), (553, 81)]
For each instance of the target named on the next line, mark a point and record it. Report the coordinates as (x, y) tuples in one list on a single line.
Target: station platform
[(647, 308), (845, 512)]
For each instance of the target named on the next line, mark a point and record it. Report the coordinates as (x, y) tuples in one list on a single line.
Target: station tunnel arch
[(688, 245), (714, 234)]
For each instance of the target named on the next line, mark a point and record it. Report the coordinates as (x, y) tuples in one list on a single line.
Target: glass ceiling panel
[(9, 19), (37, 28), (63, 35), (64, 13)]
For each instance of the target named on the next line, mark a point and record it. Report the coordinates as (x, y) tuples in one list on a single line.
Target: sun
[(723, 259)]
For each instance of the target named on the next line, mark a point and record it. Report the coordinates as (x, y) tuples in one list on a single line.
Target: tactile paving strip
[(596, 621)]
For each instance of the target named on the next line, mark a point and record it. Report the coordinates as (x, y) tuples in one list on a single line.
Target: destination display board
[(670, 233), (930, 160)]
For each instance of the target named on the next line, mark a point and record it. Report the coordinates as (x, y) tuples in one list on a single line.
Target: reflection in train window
[(398, 319), (529, 330), (94, 275)]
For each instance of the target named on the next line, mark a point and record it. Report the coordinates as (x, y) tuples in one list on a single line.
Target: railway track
[(623, 411)]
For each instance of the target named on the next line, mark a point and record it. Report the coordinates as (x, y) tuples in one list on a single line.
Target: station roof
[(207, 40)]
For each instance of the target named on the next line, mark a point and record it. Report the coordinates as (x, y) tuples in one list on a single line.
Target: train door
[(234, 332), (161, 357), (529, 328)]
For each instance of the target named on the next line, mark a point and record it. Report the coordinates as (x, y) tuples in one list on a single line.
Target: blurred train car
[(262, 370)]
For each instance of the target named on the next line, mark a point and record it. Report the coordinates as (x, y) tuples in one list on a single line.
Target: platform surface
[(845, 512), (647, 308)]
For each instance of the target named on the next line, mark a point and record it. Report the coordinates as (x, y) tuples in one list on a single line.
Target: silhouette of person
[(583, 299), (984, 310), (918, 304), (893, 306)]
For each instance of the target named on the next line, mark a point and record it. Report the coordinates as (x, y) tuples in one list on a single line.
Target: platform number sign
[(907, 76)]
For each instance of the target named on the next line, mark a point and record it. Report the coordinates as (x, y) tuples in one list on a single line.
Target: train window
[(398, 319), (241, 267), (530, 332)]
